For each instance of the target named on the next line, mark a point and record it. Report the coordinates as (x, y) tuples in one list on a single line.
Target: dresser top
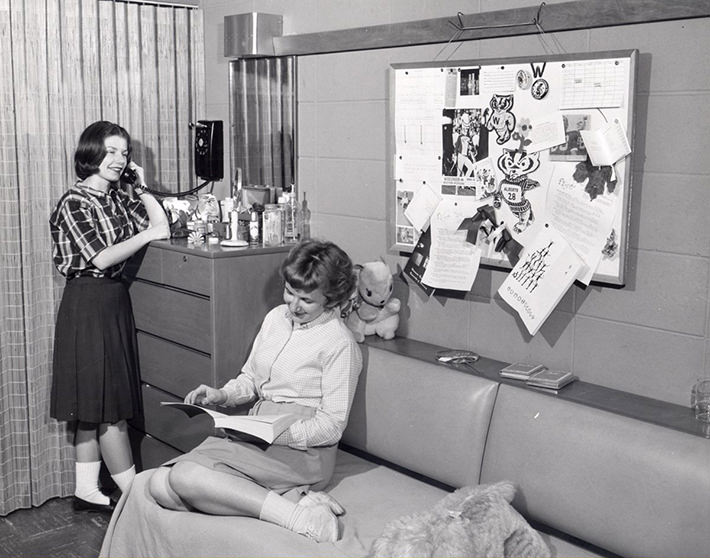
[(214, 251)]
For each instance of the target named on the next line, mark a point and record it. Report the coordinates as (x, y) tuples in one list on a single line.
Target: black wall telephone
[(209, 150)]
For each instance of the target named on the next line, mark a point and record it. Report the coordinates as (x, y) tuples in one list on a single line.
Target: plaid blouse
[(316, 364), (85, 221)]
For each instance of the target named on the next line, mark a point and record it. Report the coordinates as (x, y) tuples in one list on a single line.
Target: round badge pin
[(539, 88), (524, 79)]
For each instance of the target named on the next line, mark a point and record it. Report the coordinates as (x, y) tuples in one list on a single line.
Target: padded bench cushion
[(422, 416), (371, 494), (631, 487)]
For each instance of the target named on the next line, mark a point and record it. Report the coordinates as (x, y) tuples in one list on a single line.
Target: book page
[(193, 410), (266, 427)]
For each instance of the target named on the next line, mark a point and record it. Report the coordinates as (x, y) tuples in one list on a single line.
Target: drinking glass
[(700, 399)]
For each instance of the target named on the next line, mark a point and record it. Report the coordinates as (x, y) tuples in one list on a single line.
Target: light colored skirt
[(276, 467)]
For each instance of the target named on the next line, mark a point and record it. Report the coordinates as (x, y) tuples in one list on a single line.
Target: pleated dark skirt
[(95, 367)]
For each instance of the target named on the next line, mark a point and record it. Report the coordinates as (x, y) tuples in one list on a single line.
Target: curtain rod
[(193, 4)]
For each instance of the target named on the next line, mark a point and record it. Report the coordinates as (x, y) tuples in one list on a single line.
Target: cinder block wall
[(649, 338)]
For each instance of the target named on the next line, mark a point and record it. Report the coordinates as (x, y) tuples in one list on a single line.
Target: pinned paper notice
[(584, 223), (606, 145), (453, 262), (546, 132), (540, 279), (421, 207)]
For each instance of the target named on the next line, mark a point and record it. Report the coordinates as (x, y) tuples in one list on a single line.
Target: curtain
[(262, 107), (65, 64)]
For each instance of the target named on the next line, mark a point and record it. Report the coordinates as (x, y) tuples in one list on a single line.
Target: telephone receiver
[(129, 176)]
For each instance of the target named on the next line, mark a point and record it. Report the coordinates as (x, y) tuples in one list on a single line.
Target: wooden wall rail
[(565, 16)]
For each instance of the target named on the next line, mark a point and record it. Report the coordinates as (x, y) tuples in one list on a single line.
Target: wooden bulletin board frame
[(430, 103)]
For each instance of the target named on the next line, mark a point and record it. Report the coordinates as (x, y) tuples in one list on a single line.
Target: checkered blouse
[(85, 221)]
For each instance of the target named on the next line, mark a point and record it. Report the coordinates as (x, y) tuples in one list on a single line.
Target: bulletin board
[(527, 141)]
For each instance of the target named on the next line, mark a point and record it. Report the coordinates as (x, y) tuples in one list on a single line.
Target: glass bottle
[(243, 217), (293, 218), (305, 219), (283, 204), (272, 231)]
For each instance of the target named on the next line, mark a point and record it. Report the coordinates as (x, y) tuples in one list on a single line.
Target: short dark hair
[(316, 264), (91, 149)]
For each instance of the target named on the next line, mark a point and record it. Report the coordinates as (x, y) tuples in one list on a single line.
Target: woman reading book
[(304, 361)]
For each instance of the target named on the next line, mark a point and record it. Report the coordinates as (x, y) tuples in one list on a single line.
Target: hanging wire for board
[(461, 28), (536, 21)]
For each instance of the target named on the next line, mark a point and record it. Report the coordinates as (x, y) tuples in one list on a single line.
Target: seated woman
[(304, 360)]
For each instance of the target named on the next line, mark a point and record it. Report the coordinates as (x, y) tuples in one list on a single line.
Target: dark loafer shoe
[(80, 504)]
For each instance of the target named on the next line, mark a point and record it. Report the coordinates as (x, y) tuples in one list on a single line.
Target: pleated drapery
[(65, 64)]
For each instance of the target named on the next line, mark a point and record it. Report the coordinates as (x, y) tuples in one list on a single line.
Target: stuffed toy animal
[(372, 309), (472, 521)]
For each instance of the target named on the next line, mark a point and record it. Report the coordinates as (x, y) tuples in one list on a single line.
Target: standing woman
[(96, 226)]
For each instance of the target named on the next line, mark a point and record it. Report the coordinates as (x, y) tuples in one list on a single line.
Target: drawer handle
[(184, 258)]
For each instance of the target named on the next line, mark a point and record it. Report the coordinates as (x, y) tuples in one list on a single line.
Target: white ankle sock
[(87, 482), (124, 479), (316, 522), (277, 509)]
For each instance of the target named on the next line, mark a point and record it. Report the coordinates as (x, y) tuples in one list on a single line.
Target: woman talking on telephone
[(96, 226)]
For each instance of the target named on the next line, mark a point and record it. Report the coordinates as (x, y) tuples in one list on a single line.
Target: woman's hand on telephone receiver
[(139, 171), (206, 395)]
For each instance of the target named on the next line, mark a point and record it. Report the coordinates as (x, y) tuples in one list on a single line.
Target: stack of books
[(521, 370), (538, 376), (551, 380)]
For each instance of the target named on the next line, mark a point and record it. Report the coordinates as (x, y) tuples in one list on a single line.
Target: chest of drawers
[(197, 310)]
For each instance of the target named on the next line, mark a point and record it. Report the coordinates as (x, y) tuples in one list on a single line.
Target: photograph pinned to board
[(406, 234), (500, 144), (573, 148), (464, 141)]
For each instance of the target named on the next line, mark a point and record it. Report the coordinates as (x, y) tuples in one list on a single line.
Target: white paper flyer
[(537, 283)]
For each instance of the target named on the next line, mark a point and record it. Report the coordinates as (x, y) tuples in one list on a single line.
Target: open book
[(266, 427)]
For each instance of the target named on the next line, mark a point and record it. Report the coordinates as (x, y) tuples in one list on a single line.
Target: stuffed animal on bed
[(472, 521), (372, 309)]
